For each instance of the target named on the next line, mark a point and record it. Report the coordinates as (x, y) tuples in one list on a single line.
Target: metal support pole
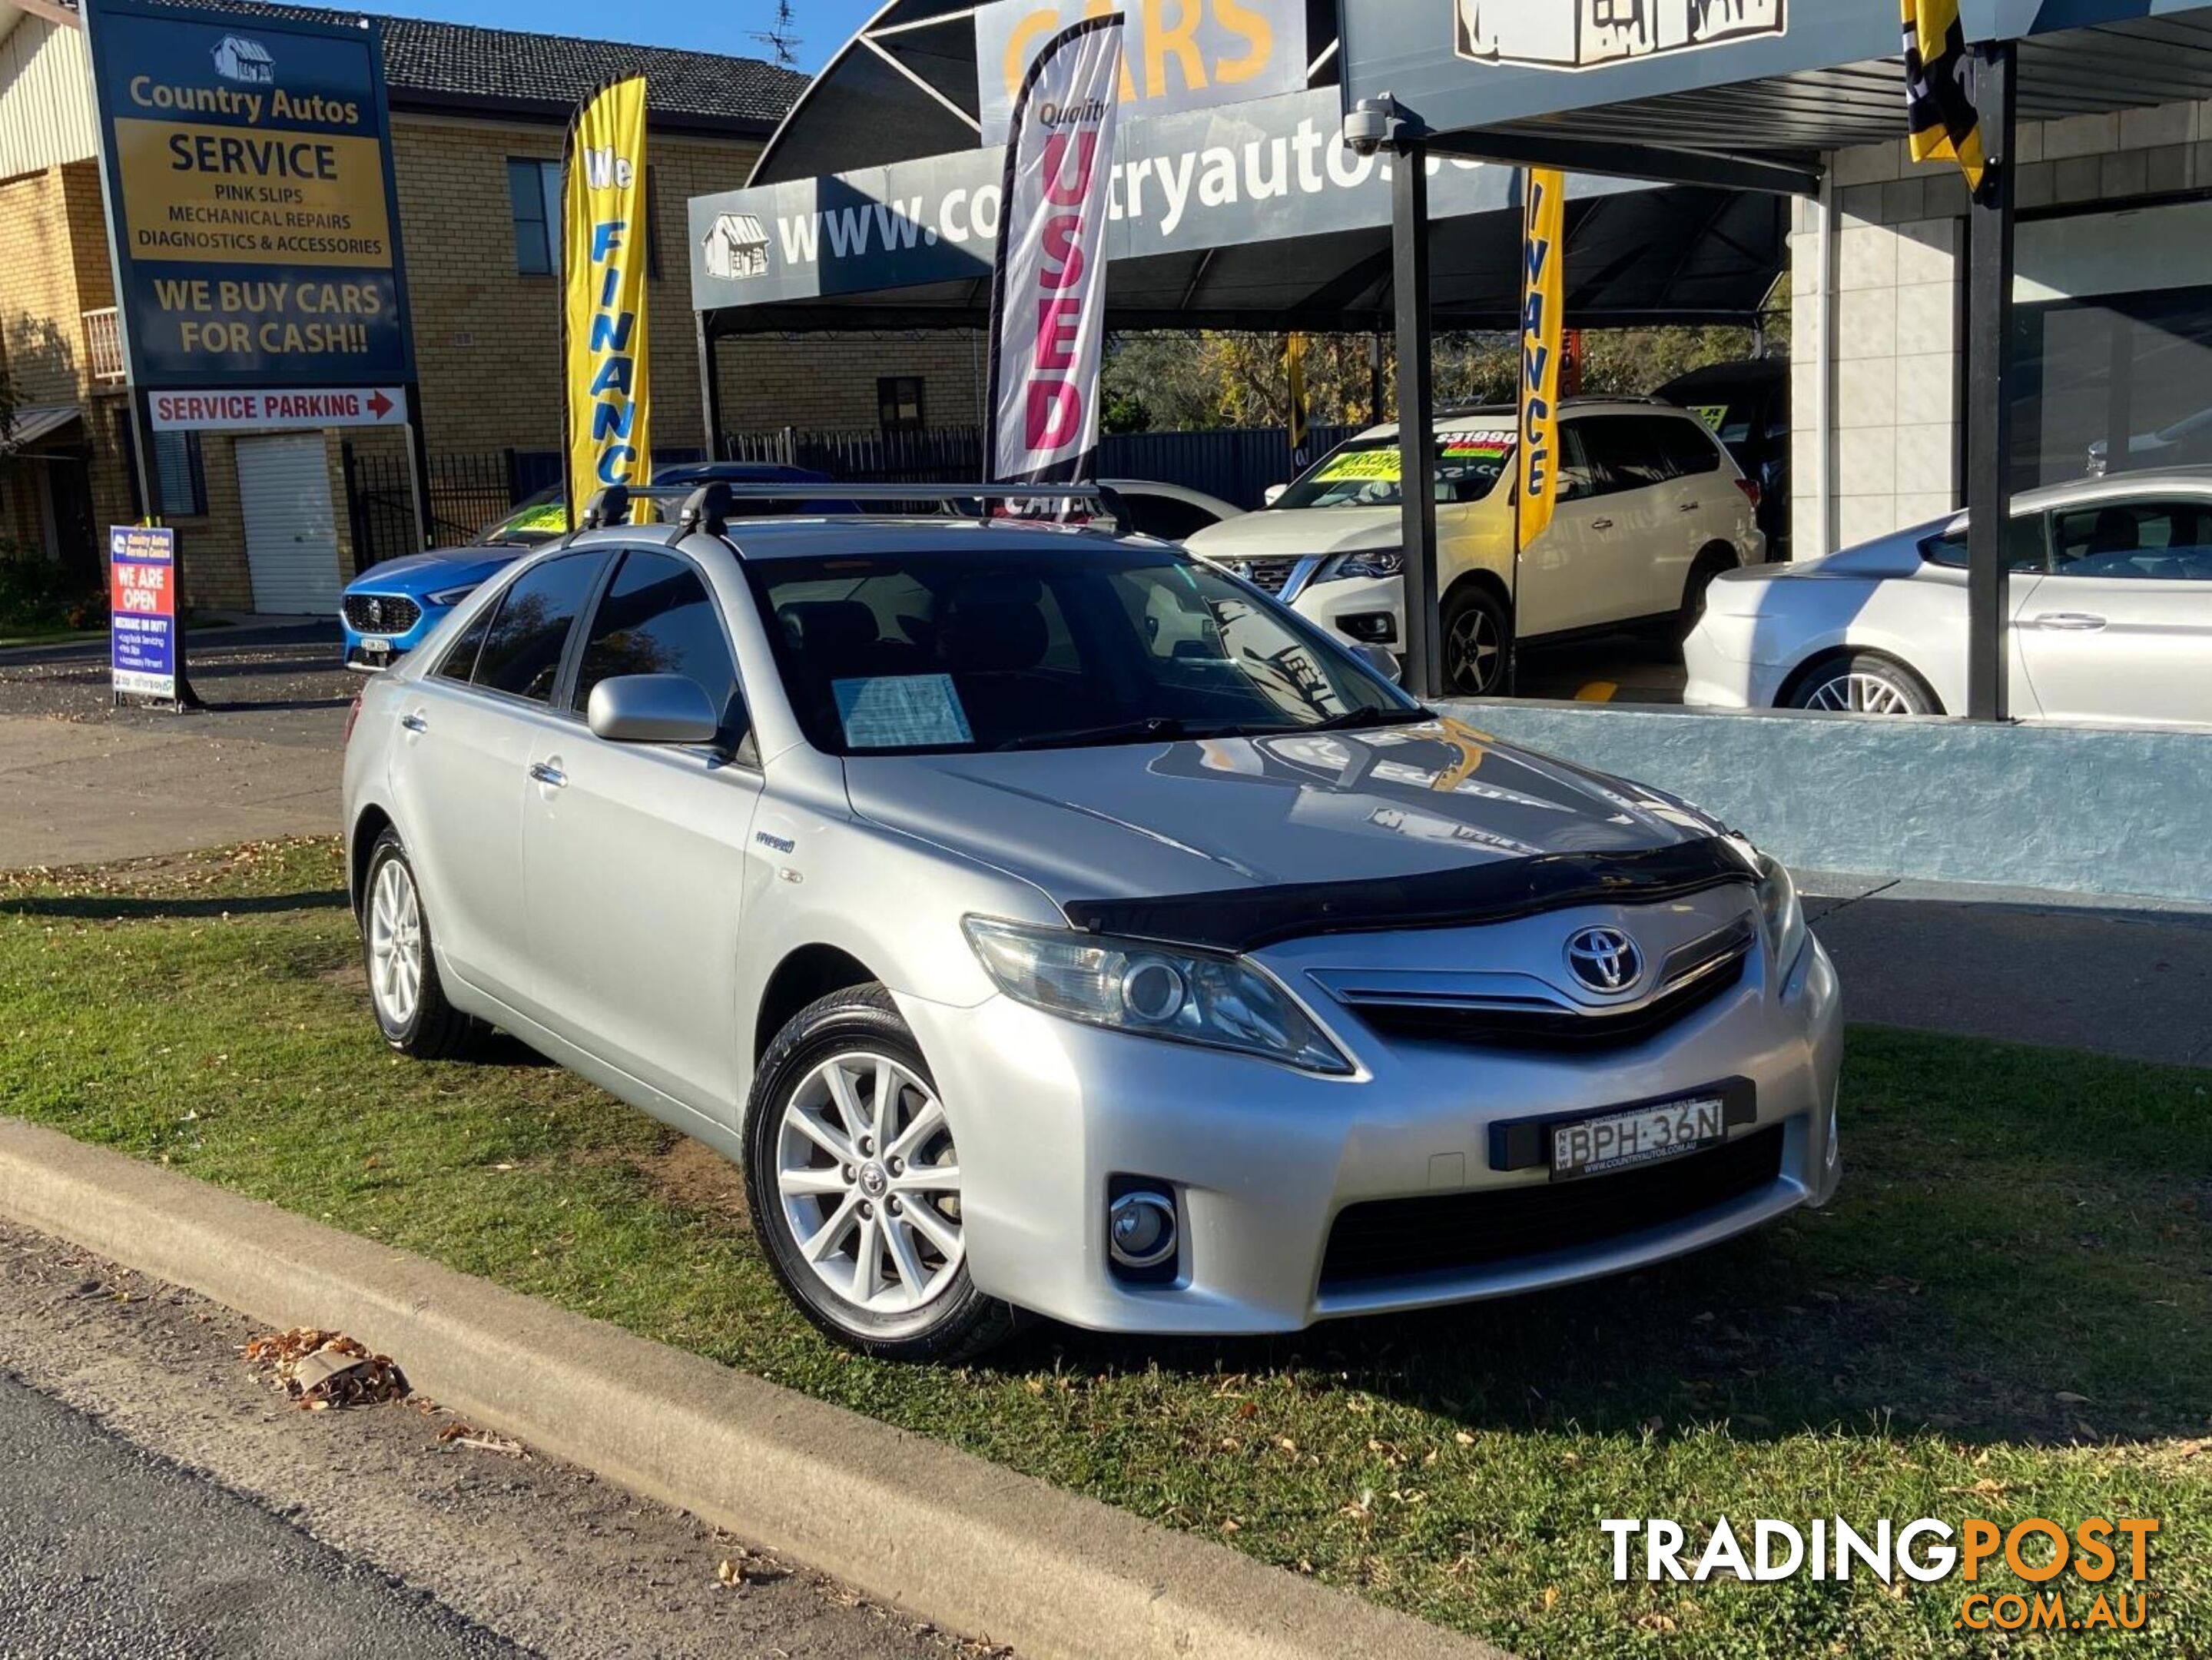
[(418, 469), (710, 389), (1988, 396), (1417, 436), (1377, 396)]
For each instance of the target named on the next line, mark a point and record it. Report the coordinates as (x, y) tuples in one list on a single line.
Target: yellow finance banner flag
[(1543, 348), (603, 269)]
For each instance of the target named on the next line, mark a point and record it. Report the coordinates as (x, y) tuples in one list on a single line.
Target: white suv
[(1652, 508)]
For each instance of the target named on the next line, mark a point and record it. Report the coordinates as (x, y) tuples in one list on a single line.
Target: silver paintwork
[(630, 921)]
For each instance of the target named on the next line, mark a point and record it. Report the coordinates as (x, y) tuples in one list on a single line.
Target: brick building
[(477, 118)]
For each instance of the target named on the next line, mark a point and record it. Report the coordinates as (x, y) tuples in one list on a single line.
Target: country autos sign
[(250, 193), (1274, 170)]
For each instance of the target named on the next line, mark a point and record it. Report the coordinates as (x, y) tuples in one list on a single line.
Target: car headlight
[(1189, 997), (1378, 563), (1782, 914), (452, 596)]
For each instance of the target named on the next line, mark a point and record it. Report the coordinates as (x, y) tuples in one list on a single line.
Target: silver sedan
[(1049, 921)]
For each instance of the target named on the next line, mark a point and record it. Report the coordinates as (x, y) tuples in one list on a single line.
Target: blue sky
[(724, 26)]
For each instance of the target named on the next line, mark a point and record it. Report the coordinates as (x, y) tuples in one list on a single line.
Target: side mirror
[(653, 708), (1380, 659), (1274, 493)]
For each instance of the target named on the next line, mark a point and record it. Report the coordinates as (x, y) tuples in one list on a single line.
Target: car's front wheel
[(403, 988), (1477, 635), (855, 1182), (1861, 683)]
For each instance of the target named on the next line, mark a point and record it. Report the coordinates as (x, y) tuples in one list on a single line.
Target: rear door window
[(528, 634), (2024, 543), (1623, 452), (1683, 445), (2145, 540)]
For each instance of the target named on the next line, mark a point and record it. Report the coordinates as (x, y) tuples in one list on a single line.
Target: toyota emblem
[(1604, 960)]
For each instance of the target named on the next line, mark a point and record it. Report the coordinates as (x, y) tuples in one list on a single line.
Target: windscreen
[(1368, 472), (1048, 649)]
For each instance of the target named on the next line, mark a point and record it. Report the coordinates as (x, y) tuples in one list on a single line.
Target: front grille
[(1271, 574), (1692, 976), (381, 613), (1391, 1238)]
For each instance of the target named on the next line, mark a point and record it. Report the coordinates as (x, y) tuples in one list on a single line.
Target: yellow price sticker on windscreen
[(1373, 466), (1713, 414)]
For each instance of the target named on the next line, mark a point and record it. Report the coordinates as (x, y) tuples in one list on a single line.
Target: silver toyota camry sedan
[(1049, 921)]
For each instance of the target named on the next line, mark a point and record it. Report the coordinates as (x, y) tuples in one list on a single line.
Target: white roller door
[(291, 529)]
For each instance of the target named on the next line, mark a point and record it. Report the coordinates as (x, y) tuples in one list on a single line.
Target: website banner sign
[(249, 185), (1272, 171)]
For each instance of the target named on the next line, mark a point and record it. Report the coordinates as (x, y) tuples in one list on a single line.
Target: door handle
[(1600, 524), (414, 721), (548, 775), (1689, 507), (2079, 622)]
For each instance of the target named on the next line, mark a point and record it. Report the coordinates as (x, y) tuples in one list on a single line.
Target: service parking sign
[(142, 601)]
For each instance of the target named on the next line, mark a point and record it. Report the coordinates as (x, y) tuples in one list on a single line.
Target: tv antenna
[(781, 38)]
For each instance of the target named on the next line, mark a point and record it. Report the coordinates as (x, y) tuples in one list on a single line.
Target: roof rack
[(707, 506)]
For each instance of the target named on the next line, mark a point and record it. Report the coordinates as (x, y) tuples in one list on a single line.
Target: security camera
[(1372, 123)]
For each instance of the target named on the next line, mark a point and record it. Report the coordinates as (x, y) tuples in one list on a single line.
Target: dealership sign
[(250, 194), (1180, 54), (1273, 170), (142, 602), (278, 409)]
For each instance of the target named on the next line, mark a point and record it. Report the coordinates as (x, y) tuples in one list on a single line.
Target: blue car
[(389, 608)]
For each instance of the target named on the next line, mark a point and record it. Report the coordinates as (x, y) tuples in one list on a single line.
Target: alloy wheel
[(395, 944), (1861, 693), (870, 1183), (1474, 653)]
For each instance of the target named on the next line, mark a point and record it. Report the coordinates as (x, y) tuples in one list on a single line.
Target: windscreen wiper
[(1158, 725), (1356, 720)]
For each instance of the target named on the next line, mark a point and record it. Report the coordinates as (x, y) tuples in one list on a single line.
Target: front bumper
[(1356, 608), (1263, 1159), (367, 652)]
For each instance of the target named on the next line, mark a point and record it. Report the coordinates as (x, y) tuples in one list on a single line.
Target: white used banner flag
[(1048, 285)]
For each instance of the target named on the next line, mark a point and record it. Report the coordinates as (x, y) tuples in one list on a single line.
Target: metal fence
[(1235, 466), (472, 489), (468, 490)]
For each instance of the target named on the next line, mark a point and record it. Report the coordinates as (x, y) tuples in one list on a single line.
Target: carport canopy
[(885, 147), (1754, 95)]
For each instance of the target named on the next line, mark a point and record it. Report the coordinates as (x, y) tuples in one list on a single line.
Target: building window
[(898, 403), (533, 189), (179, 478)]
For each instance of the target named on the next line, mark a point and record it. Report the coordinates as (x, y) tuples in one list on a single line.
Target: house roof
[(461, 67)]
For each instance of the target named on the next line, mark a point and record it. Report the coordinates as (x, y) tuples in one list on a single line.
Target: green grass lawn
[(2007, 1313)]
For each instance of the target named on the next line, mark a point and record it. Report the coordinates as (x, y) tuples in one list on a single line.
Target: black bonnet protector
[(1245, 919)]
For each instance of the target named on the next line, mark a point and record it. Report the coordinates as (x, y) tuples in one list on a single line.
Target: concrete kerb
[(944, 1536)]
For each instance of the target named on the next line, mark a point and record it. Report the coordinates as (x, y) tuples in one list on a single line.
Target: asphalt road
[(157, 1499), (114, 1552)]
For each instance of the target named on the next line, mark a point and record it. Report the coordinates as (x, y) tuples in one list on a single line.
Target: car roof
[(1746, 373), (1489, 417), (878, 536), (2118, 486)]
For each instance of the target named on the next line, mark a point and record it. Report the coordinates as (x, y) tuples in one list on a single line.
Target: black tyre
[(1707, 567), (1862, 683), (1476, 638), (404, 989), (854, 1186)]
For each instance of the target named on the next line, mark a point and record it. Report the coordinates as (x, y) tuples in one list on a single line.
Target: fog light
[(1374, 628), (1140, 1230)]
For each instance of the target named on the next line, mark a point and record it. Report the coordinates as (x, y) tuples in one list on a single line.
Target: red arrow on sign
[(378, 405)]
